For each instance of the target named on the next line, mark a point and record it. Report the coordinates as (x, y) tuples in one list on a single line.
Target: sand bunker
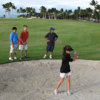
[(36, 80)]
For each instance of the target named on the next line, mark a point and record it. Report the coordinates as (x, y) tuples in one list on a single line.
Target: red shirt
[(23, 37)]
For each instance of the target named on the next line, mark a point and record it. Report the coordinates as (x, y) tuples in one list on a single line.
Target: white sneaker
[(45, 56), (55, 92), (69, 93), (50, 56), (15, 58), (10, 59)]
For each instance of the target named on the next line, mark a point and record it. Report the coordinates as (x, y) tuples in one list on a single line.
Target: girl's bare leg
[(68, 83), (59, 83)]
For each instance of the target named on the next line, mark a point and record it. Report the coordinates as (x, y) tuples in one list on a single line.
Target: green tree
[(43, 12), (30, 11), (89, 13), (93, 3), (21, 10), (8, 7), (98, 10), (68, 14), (52, 13)]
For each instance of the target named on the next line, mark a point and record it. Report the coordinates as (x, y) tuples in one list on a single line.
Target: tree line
[(53, 13)]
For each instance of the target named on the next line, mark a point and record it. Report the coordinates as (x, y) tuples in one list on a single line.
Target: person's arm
[(68, 57), (11, 39), (12, 44), (27, 39), (21, 35), (75, 56), (17, 40), (56, 37), (46, 37)]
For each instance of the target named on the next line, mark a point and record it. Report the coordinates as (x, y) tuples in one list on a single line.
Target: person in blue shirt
[(51, 38), (13, 43)]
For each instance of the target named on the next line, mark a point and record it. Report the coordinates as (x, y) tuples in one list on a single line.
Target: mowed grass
[(83, 36)]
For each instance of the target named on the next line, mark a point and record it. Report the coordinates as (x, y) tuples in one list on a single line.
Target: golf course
[(83, 36)]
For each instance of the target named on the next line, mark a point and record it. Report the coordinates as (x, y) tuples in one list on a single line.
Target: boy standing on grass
[(51, 38), (23, 42), (13, 43)]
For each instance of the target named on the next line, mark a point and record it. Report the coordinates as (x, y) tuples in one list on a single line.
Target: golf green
[(83, 36)]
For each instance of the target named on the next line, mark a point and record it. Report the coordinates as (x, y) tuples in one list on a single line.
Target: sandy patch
[(36, 80)]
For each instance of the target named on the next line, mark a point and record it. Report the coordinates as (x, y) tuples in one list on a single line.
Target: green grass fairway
[(83, 36)]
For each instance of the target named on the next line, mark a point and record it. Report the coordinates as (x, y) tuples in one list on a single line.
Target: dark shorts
[(50, 48)]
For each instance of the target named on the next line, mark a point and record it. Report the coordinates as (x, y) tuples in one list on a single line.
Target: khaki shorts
[(13, 49), (64, 75), (23, 47)]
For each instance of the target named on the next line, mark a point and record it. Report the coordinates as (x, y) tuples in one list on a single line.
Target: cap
[(52, 28), (68, 47)]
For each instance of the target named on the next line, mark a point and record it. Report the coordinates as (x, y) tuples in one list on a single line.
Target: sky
[(66, 4)]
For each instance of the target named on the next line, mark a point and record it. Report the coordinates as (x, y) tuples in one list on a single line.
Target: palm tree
[(43, 11), (30, 11), (49, 12), (8, 7), (83, 14), (62, 13), (93, 3), (96, 16), (68, 13), (21, 10), (98, 10), (89, 13), (75, 14), (33, 11), (78, 11), (54, 13)]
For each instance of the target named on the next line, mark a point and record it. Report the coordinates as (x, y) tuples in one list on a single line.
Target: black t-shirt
[(51, 37), (65, 67)]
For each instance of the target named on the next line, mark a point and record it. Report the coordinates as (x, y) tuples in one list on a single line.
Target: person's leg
[(21, 53), (45, 55), (25, 48), (59, 83), (46, 52), (10, 54), (15, 54), (68, 83), (51, 51), (25, 53), (51, 55)]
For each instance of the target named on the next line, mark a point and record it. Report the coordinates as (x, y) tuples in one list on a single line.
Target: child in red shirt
[(23, 42)]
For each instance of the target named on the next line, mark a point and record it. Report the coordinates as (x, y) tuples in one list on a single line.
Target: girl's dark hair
[(64, 52), (66, 48)]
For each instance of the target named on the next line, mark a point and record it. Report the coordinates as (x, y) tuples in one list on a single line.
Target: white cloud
[(66, 4), (50, 3)]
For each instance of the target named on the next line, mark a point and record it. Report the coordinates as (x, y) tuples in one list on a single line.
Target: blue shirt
[(14, 38), (51, 37)]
